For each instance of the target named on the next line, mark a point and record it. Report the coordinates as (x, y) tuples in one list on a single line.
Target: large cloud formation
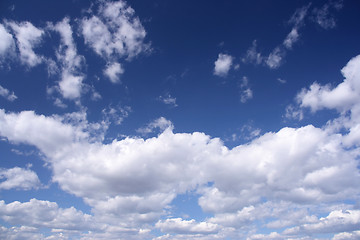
[(280, 178)]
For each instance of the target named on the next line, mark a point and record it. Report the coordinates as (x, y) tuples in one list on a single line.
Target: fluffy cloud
[(113, 34), (71, 79), (278, 176), (38, 213), (113, 72), (275, 58), (223, 65), (7, 94), (28, 37), (6, 41), (18, 178)]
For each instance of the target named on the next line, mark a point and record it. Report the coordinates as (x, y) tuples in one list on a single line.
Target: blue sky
[(179, 119)]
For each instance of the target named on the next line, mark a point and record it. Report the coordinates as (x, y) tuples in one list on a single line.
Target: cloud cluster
[(279, 177), (322, 16), (115, 33)]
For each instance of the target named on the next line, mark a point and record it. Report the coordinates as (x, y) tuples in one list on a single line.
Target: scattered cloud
[(252, 55), (28, 37), (323, 16), (117, 114), (115, 33), (7, 94), (280, 80), (245, 91), (113, 71), (18, 178), (168, 100), (160, 123), (223, 65)]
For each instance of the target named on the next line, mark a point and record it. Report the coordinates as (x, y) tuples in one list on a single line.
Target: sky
[(179, 119)]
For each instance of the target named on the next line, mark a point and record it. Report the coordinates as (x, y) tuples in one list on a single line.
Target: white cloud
[(168, 99), (28, 37), (18, 178), (71, 79), (116, 33), (275, 58), (6, 94), (252, 55), (113, 71), (39, 214), (180, 226), (291, 38), (137, 179), (223, 65), (116, 114), (160, 123), (323, 16), (347, 236), (280, 80), (6, 41), (245, 92)]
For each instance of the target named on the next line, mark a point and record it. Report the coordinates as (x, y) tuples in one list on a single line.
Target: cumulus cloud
[(7, 43), (115, 33), (282, 177), (70, 84), (38, 213), (18, 178), (113, 72), (28, 37), (223, 65), (7, 94)]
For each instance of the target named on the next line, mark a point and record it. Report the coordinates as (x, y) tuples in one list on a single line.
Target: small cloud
[(292, 112), (291, 38), (113, 71), (160, 123), (324, 17), (252, 55), (7, 94), (223, 65), (117, 114), (245, 92), (280, 80), (19, 178), (168, 99), (275, 59)]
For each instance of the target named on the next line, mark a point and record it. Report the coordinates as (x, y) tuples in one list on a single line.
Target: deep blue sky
[(178, 82)]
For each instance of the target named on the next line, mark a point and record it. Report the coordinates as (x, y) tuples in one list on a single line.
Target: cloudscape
[(180, 119)]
